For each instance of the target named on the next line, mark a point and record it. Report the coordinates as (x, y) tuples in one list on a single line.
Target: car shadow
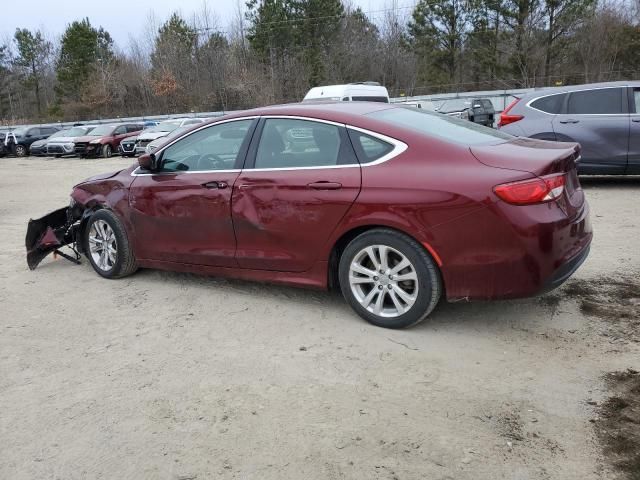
[(526, 315), (610, 181)]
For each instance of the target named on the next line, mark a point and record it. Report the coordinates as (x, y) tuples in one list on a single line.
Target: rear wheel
[(389, 279), (107, 246)]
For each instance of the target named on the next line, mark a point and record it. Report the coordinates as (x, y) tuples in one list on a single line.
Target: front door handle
[(215, 184), (569, 120), (325, 185), (637, 120)]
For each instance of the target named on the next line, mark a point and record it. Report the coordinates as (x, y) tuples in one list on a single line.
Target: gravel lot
[(175, 376)]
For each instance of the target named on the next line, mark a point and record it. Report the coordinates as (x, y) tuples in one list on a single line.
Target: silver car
[(604, 118)]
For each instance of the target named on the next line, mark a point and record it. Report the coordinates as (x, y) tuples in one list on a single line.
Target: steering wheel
[(210, 161)]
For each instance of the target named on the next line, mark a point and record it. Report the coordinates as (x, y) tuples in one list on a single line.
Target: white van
[(351, 92)]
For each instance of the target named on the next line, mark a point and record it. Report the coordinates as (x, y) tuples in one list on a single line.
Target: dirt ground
[(175, 376)]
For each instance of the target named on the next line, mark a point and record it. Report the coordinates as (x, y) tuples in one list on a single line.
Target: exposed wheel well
[(342, 242)]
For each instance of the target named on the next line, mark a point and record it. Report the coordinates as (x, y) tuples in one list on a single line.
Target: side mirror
[(148, 161)]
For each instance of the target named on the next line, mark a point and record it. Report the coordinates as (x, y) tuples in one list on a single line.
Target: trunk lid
[(539, 158)]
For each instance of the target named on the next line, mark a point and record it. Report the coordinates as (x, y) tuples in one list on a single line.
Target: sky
[(126, 18)]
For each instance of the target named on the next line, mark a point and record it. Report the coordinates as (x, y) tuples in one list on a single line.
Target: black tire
[(106, 151), (57, 156), (429, 283), (20, 150), (125, 261)]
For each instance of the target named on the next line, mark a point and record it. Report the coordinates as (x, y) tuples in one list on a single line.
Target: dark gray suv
[(604, 118)]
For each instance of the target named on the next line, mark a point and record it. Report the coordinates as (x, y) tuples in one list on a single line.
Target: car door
[(633, 161), (32, 135), (182, 213), (300, 179), (119, 134), (598, 119)]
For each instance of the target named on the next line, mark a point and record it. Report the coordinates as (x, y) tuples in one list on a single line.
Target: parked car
[(39, 147), (476, 110), (64, 144), (158, 142), (395, 206), (127, 147), (104, 140), (3, 149), (351, 92), (162, 130), (19, 140), (603, 118)]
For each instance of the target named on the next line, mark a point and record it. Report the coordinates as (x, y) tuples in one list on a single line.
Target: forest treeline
[(273, 51)]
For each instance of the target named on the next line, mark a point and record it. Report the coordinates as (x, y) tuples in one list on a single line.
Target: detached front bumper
[(47, 234)]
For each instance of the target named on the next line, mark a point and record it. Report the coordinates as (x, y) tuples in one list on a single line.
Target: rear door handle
[(325, 185), (569, 120), (215, 184), (637, 120)]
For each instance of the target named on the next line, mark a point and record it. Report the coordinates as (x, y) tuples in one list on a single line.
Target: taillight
[(536, 190), (506, 118)]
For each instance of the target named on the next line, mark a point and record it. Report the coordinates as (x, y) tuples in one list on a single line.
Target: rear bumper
[(518, 252), (565, 271)]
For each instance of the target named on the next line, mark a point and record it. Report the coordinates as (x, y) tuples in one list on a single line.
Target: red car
[(395, 206), (104, 140)]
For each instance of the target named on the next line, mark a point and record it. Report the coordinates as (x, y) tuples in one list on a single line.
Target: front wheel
[(106, 151), (107, 246), (389, 279), (21, 150)]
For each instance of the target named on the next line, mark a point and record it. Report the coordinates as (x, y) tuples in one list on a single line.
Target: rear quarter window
[(440, 126), (549, 104), (368, 148)]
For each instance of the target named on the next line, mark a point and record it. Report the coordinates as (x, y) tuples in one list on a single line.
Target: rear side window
[(370, 99), (440, 126), (549, 104), (288, 143), (636, 99), (600, 101), (368, 148)]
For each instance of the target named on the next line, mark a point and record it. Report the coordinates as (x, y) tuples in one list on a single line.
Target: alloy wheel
[(102, 245), (383, 281)]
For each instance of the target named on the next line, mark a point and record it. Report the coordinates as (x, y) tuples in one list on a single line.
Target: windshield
[(76, 131), (59, 133), (164, 127), (439, 125), (102, 131), (18, 132)]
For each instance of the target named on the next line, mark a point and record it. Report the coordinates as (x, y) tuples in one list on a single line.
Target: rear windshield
[(439, 125)]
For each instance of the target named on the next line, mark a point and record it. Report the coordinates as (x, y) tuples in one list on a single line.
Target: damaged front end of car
[(50, 233)]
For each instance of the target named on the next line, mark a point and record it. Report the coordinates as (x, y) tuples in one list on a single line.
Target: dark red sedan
[(395, 206)]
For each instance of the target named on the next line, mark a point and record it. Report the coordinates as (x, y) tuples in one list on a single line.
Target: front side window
[(288, 143), (596, 102), (120, 130), (636, 99), (550, 104), (34, 132), (212, 148)]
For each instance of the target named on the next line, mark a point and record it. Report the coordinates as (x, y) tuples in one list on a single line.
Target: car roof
[(585, 86), (341, 112)]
